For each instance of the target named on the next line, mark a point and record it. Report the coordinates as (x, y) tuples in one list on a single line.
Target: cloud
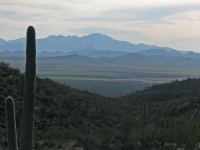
[(138, 14)]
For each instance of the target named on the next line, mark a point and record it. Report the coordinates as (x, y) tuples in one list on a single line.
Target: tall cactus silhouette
[(145, 112), (28, 109), (11, 124)]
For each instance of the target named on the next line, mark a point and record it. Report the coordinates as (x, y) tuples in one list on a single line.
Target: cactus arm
[(11, 124)]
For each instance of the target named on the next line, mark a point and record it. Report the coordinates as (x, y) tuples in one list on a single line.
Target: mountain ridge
[(71, 43)]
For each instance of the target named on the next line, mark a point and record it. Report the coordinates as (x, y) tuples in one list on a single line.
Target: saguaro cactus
[(11, 124), (28, 110), (145, 112)]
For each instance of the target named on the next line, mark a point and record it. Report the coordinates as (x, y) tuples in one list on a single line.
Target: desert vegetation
[(72, 118)]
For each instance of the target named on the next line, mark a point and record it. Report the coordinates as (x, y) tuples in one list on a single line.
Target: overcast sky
[(172, 23)]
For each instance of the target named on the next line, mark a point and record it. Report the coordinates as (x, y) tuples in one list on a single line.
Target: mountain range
[(93, 45), (97, 50), (72, 43)]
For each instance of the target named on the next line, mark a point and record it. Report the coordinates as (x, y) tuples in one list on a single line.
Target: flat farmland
[(112, 83)]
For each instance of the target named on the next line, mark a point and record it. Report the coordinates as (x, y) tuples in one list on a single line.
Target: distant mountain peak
[(55, 36), (72, 36), (98, 35)]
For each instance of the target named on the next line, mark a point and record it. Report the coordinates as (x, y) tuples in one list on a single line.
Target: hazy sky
[(172, 23)]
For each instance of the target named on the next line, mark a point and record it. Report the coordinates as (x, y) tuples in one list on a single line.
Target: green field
[(115, 74), (76, 74), (114, 82)]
